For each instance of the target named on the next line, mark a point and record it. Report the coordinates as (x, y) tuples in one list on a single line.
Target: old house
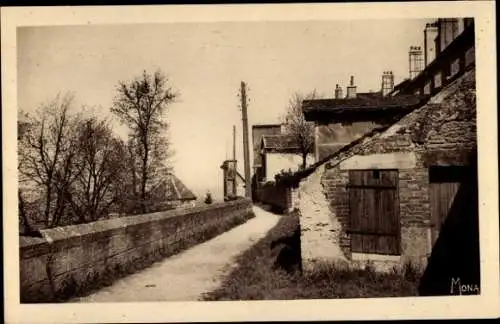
[(258, 131), (341, 120), (278, 153), (384, 196), (274, 151)]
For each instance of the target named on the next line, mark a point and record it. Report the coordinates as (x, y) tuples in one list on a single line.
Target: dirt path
[(185, 276)]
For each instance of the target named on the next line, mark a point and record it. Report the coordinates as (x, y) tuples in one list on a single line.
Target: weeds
[(257, 276)]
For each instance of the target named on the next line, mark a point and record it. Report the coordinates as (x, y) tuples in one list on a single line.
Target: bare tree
[(47, 155), (141, 104), (101, 158), (300, 131), (22, 128)]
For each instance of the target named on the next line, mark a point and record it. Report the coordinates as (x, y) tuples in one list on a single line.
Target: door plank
[(374, 211)]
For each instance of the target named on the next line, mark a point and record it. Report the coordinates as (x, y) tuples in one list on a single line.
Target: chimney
[(430, 34), (387, 83), (415, 61), (338, 92), (351, 89)]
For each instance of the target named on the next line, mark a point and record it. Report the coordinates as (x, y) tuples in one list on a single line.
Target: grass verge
[(260, 274)]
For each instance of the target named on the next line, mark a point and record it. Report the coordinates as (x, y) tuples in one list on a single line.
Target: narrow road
[(189, 274)]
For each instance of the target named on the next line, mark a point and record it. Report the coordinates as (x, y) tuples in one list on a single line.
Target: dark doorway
[(444, 183), (454, 267)]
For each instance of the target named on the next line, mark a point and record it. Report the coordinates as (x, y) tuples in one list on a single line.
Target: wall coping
[(52, 235)]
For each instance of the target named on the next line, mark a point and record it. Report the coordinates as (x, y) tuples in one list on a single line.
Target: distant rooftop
[(178, 190), (279, 143), (266, 125), (363, 102)]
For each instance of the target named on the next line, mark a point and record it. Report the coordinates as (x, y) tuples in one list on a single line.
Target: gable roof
[(258, 131), (364, 102), (279, 143), (174, 189)]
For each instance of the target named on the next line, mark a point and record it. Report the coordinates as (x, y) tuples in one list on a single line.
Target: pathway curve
[(189, 274)]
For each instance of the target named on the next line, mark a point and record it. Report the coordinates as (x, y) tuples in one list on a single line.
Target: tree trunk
[(144, 178), (304, 161), (47, 205), (27, 226), (58, 210)]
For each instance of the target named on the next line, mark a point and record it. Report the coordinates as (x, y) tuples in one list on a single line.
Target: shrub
[(208, 198)]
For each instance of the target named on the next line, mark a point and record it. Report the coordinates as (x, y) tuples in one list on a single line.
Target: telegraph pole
[(246, 150), (234, 142)]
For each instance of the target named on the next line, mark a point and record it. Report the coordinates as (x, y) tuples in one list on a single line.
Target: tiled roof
[(266, 126), (362, 102), (258, 131), (279, 143), (176, 190)]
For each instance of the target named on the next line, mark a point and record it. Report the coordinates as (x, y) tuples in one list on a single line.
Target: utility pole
[(246, 150), (234, 142)]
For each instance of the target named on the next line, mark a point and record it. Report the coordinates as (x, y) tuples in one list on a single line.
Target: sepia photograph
[(247, 160)]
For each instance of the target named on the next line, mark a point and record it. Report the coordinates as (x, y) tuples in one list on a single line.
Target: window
[(427, 88), (454, 67), (437, 80)]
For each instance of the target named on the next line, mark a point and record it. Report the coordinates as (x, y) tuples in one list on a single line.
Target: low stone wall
[(280, 197), (67, 259)]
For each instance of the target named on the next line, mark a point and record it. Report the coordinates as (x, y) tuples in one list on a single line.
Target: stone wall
[(281, 198), (321, 228), (71, 257), (414, 213)]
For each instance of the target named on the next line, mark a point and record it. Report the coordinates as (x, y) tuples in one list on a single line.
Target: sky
[(205, 63)]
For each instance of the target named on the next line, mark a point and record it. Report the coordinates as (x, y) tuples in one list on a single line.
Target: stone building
[(384, 196), (257, 132), (341, 120), (280, 152)]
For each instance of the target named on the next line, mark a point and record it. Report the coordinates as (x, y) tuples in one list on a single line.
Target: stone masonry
[(442, 132)]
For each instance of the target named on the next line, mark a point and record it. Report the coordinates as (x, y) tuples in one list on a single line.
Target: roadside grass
[(260, 276)]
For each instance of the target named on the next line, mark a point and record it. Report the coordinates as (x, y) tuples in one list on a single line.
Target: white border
[(485, 305)]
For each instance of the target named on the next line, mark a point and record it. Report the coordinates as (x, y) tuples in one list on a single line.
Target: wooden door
[(444, 183), (374, 211)]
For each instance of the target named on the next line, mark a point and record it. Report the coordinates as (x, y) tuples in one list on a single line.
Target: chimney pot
[(387, 83), (338, 92)]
